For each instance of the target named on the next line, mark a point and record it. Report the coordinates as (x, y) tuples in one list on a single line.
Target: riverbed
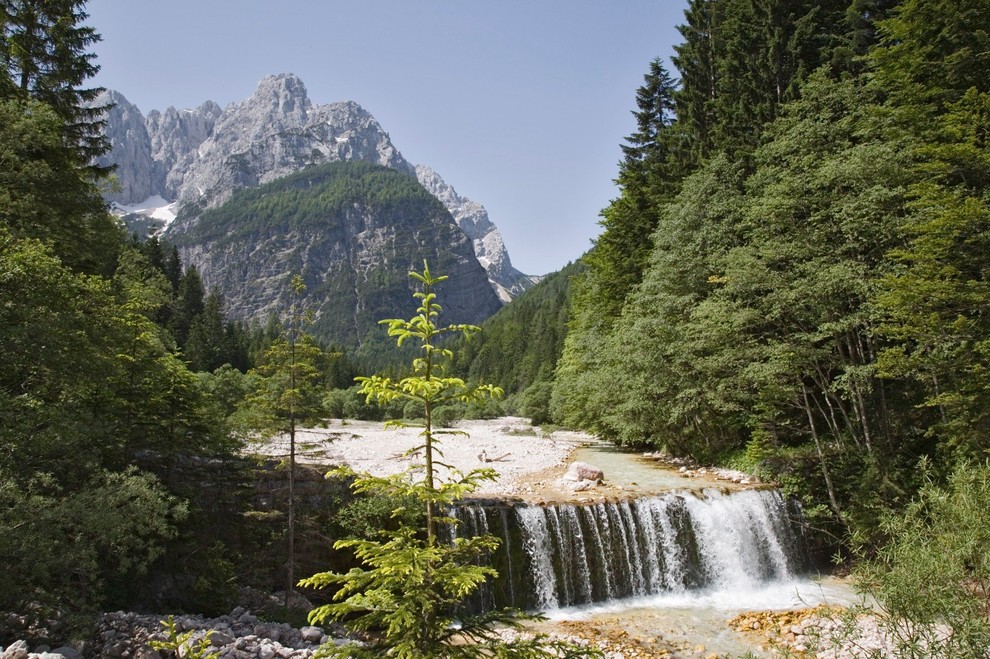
[(530, 464)]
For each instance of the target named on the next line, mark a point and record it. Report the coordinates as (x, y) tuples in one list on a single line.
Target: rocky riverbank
[(823, 632), (239, 635), (243, 635)]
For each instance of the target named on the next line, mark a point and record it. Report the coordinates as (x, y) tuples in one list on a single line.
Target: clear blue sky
[(521, 105)]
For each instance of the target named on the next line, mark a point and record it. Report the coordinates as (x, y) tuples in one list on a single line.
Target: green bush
[(446, 415), (932, 579)]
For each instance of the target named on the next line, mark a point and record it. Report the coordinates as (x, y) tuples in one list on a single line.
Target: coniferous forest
[(809, 300), (794, 280)]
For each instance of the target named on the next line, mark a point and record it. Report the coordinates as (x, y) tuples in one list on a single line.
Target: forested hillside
[(519, 346), (812, 196), (352, 230)]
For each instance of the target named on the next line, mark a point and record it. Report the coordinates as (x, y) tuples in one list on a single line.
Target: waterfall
[(561, 555)]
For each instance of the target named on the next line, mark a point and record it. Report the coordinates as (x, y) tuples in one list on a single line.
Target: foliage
[(43, 193), (43, 56), (369, 517), (933, 52), (521, 343), (930, 299), (118, 523), (181, 645), (742, 60), (932, 576), (414, 583)]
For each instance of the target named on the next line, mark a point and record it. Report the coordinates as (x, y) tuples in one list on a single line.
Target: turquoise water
[(642, 475)]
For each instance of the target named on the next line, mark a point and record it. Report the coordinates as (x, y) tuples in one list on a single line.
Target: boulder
[(582, 471), (16, 650), (67, 652), (311, 635)]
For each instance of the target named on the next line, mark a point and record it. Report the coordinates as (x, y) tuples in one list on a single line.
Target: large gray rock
[(582, 471), (16, 650), (130, 149), (311, 634), (175, 137), (67, 652), (148, 150)]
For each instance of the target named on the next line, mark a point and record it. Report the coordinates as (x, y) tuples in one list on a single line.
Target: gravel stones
[(239, 635)]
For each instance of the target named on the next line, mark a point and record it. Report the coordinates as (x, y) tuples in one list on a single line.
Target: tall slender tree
[(286, 395), (695, 60), (649, 175)]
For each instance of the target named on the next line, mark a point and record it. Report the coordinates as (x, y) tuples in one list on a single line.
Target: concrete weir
[(570, 554)]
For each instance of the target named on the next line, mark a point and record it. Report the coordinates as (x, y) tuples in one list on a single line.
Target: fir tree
[(43, 50), (414, 584)]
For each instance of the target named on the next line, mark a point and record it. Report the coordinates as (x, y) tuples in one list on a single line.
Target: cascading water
[(562, 555)]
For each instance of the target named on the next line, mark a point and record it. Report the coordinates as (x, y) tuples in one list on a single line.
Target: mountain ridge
[(194, 159)]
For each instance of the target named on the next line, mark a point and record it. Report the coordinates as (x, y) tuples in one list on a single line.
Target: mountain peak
[(199, 158), (283, 92)]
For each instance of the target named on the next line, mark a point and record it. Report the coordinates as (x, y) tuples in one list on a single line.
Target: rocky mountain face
[(148, 149), (473, 219), (353, 231), (178, 164)]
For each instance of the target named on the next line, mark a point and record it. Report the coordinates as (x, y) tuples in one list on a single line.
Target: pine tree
[(287, 396), (412, 586), (206, 345), (189, 303), (933, 51), (649, 176), (43, 194), (742, 59), (862, 33), (654, 115), (43, 50), (696, 61)]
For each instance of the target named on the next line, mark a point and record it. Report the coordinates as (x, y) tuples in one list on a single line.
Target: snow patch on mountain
[(154, 207)]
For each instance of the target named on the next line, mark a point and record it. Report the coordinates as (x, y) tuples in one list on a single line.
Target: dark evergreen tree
[(654, 115), (206, 344), (190, 301), (43, 50), (173, 267), (742, 58), (236, 346), (43, 194), (696, 61), (934, 51), (862, 33), (649, 176)]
